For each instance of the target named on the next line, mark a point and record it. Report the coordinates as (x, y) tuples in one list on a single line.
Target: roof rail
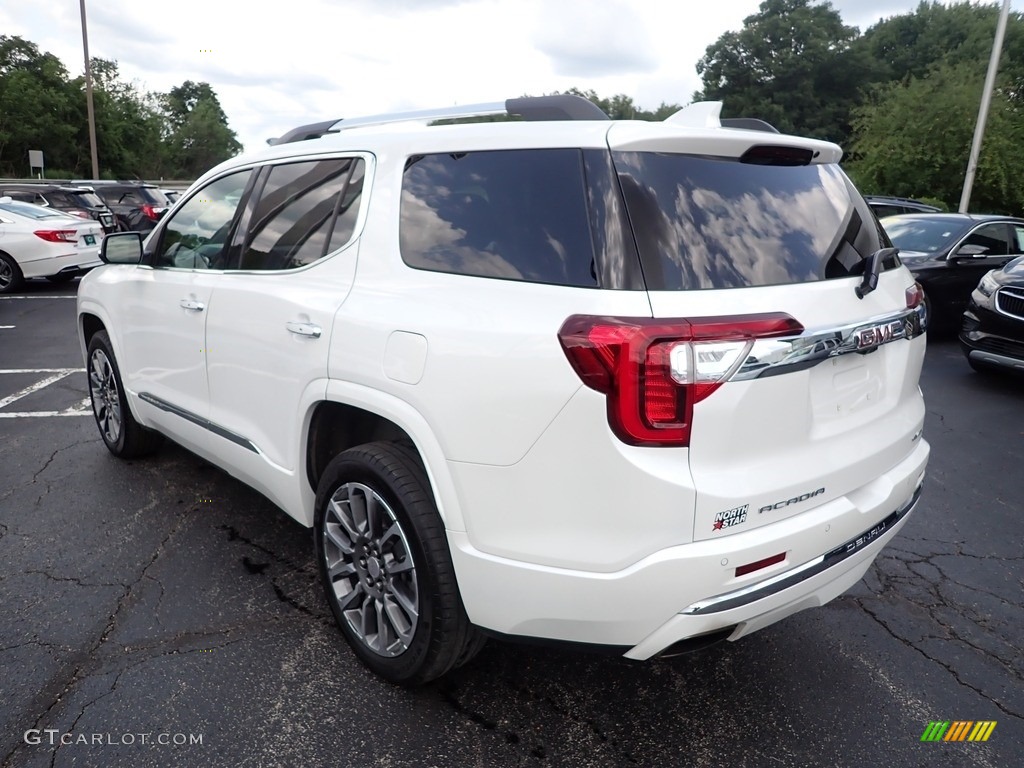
[(562, 106)]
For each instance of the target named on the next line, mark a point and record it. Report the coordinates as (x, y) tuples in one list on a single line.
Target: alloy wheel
[(106, 401), (370, 568)]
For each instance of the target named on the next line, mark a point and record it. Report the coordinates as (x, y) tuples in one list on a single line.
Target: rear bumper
[(72, 263), (691, 589)]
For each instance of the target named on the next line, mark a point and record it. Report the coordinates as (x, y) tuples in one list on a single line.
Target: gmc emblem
[(874, 335)]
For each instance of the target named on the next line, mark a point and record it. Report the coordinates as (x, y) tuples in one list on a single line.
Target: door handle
[(311, 330), (194, 306)]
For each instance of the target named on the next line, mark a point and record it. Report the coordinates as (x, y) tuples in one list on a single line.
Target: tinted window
[(514, 214), (718, 223), (305, 211), (196, 235), (991, 237), (882, 211), (1017, 239)]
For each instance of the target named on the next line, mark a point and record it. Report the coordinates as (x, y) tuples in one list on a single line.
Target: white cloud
[(275, 67)]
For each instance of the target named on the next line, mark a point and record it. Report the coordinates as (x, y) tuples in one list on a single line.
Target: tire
[(385, 566), (11, 278), (63, 277), (121, 433)]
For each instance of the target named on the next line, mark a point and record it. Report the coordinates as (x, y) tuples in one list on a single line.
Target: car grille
[(1010, 301), (999, 346)]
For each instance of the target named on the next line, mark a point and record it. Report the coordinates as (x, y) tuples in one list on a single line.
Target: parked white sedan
[(41, 242)]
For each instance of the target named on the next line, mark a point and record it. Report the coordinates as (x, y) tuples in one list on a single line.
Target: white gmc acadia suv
[(617, 383)]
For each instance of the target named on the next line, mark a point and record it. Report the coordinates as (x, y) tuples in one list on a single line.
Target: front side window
[(196, 236), (707, 222), (991, 237), (511, 214), (305, 211)]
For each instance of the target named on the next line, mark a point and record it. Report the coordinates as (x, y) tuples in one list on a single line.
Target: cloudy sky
[(275, 66)]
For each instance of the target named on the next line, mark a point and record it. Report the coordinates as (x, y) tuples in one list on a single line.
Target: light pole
[(986, 99), (88, 96)]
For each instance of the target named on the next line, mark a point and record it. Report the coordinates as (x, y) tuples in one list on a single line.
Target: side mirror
[(121, 248), (971, 251)]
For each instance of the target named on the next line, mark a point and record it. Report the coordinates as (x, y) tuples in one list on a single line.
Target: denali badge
[(873, 335), (730, 517), (795, 500)]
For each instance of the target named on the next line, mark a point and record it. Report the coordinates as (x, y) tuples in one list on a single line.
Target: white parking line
[(7, 326), (38, 297), (84, 408)]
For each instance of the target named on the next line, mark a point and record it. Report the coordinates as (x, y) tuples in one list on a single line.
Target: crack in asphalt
[(84, 659), (73, 579), (948, 667), (53, 456), (934, 587)]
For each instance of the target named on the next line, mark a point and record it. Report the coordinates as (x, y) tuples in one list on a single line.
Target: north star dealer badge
[(730, 517)]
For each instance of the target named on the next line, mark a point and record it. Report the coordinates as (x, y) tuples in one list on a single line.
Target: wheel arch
[(352, 415)]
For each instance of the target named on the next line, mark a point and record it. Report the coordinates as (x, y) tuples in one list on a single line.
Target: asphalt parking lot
[(160, 613)]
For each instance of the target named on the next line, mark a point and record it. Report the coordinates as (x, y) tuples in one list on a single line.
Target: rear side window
[(305, 211), (509, 214), (703, 222)]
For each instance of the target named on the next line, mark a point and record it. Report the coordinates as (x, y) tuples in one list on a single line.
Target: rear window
[(32, 211), (510, 214), (83, 199), (705, 222)]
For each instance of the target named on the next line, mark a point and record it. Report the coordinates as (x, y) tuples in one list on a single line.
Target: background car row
[(972, 269), (125, 206)]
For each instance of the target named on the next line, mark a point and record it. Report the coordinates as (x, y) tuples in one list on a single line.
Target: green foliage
[(138, 135), (794, 64), (915, 136)]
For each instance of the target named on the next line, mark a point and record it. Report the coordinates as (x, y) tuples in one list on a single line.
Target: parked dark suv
[(137, 206), (74, 200)]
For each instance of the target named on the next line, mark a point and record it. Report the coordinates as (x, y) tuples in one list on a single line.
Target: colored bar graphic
[(958, 730)]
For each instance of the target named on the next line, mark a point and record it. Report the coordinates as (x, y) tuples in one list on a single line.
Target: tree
[(794, 64), (621, 106), (913, 138), (197, 135), (38, 108)]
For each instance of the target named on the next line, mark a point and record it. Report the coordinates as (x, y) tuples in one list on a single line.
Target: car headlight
[(988, 285)]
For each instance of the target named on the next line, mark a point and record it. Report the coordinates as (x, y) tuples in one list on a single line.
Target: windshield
[(912, 233), (714, 222), (32, 211)]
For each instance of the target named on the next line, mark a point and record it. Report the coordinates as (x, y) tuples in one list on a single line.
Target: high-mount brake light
[(653, 371), (57, 235)]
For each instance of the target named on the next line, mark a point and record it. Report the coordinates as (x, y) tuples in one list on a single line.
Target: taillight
[(654, 371), (149, 212), (915, 296), (57, 235)]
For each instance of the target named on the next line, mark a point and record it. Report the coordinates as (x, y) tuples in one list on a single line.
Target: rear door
[(772, 246)]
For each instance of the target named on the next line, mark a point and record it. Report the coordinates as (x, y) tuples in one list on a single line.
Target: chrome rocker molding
[(787, 579), (163, 405), (993, 359), (771, 357)]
